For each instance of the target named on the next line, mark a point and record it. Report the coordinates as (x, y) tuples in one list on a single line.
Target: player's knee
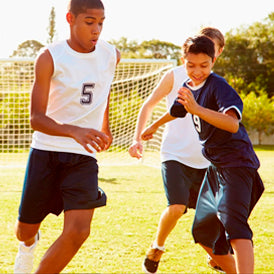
[(25, 232), (77, 234), (24, 235), (176, 211)]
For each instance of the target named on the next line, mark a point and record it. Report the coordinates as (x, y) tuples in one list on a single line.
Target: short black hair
[(199, 44), (80, 6)]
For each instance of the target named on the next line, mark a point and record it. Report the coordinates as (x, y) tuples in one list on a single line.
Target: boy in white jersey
[(69, 113), (183, 166)]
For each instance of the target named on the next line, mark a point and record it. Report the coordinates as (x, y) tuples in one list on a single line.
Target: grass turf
[(122, 231)]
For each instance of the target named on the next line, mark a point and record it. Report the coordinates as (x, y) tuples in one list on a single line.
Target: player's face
[(85, 29), (198, 67)]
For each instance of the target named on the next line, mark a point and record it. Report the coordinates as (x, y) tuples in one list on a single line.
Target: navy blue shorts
[(57, 181), (225, 202), (182, 183)]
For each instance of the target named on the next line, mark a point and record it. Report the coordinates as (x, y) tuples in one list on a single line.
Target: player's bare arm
[(228, 121), (147, 134), (41, 122), (105, 126), (162, 89)]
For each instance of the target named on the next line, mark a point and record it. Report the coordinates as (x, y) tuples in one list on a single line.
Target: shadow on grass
[(263, 147), (110, 180), (268, 192)]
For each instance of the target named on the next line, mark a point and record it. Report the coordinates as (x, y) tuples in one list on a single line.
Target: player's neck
[(194, 86)]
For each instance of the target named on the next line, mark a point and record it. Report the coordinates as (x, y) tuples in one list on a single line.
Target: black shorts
[(182, 183), (225, 201), (57, 181)]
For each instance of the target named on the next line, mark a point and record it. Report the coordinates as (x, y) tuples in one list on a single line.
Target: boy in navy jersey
[(232, 185), (183, 165)]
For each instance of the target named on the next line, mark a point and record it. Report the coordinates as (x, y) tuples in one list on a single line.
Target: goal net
[(134, 80)]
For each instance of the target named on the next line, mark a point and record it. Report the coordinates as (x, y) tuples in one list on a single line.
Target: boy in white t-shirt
[(69, 113)]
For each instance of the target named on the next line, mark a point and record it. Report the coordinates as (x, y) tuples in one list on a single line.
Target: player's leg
[(207, 229), (171, 171), (244, 255), (78, 176), (33, 208), (28, 236), (177, 179), (75, 232), (168, 221), (226, 262), (234, 209), (26, 232)]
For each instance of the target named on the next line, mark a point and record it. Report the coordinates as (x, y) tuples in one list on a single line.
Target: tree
[(29, 48), (128, 49), (258, 113), (155, 49), (249, 54), (51, 27), (161, 50)]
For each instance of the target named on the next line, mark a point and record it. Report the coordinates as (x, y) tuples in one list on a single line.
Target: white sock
[(30, 247), (155, 245)]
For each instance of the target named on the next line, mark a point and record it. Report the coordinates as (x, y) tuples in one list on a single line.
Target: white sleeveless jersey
[(180, 140), (78, 94)]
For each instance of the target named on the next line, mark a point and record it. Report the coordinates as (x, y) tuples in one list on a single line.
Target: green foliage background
[(247, 63)]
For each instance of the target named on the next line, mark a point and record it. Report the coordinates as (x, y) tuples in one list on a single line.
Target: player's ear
[(183, 60), (213, 61), (70, 18), (220, 51)]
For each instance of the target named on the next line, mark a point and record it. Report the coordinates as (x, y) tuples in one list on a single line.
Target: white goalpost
[(134, 80)]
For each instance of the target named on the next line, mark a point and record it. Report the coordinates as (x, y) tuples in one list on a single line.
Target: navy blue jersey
[(220, 147)]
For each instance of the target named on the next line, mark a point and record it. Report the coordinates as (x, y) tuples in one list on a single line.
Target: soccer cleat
[(211, 263), (152, 260), (24, 258)]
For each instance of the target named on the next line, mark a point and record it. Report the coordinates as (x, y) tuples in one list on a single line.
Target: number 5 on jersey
[(87, 94)]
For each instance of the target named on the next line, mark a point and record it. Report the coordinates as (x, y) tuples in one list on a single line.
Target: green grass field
[(123, 230)]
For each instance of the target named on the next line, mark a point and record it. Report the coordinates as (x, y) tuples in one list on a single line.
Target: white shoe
[(25, 256)]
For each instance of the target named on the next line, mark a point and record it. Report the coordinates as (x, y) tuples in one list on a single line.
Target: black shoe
[(152, 260)]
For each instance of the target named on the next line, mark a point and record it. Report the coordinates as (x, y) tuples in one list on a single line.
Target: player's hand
[(148, 132), (110, 138), (186, 98), (91, 139), (136, 150)]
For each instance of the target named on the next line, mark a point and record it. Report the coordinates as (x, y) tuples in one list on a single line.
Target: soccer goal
[(134, 80)]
